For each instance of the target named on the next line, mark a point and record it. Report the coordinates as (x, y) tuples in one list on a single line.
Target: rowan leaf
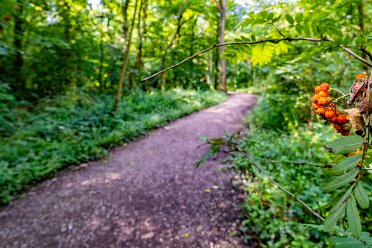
[(340, 181), (281, 48), (262, 53), (361, 196), (347, 242), (353, 217), (289, 19), (336, 213), (345, 144), (346, 164)]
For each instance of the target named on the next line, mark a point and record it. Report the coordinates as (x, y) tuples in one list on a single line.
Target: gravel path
[(145, 194)]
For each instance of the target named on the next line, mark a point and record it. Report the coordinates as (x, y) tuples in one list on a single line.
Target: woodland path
[(145, 194)]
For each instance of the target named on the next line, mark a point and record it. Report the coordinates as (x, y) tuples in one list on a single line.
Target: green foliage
[(344, 145), (270, 215), (78, 127)]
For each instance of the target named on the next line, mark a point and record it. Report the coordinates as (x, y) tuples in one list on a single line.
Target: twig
[(339, 91), (348, 50), (337, 99), (278, 185)]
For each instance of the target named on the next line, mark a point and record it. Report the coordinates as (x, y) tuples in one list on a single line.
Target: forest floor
[(145, 194)]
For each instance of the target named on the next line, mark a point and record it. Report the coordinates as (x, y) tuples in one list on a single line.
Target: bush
[(77, 127)]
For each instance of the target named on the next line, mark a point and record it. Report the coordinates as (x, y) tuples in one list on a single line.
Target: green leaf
[(353, 217), (298, 28), (365, 237), (341, 180), (289, 19), (361, 195), (262, 53), (347, 242), (336, 213), (345, 144), (281, 48), (346, 164), (298, 17)]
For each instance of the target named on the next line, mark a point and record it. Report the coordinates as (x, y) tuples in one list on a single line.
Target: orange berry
[(333, 119), (324, 86), (345, 128), (337, 127), (341, 119), (315, 106), (320, 111), (315, 98), (329, 114), (322, 101), (361, 76), (347, 117), (317, 89), (345, 133), (323, 93)]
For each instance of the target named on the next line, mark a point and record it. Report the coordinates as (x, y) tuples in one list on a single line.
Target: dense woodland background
[(71, 87)]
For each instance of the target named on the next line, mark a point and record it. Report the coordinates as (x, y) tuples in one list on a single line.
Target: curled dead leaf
[(356, 120)]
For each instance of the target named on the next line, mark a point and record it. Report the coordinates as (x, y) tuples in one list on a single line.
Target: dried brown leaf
[(356, 120)]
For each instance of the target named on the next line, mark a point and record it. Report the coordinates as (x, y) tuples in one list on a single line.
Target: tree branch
[(277, 184), (348, 50)]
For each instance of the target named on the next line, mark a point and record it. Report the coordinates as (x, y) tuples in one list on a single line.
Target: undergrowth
[(78, 127), (270, 216)]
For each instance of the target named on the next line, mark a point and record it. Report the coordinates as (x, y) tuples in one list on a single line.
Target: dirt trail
[(146, 194)]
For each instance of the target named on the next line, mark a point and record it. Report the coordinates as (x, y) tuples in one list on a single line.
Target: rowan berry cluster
[(324, 106)]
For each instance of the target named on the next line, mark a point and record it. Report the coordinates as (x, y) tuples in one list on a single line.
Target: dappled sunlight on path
[(145, 194)]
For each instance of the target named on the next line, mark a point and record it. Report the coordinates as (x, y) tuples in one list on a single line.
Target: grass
[(75, 128)]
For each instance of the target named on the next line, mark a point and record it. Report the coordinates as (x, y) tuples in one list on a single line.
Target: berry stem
[(336, 100), (339, 91)]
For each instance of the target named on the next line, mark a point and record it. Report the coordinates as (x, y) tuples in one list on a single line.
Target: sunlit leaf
[(289, 19), (262, 53), (281, 48)]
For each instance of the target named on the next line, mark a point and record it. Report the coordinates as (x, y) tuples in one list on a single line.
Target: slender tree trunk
[(101, 59), (175, 36), (20, 82), (125, 61), (361, 27), (216, 60), (188, 79), (221, 34), (141, 34)]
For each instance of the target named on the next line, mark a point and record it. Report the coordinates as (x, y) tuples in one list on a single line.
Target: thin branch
[(278, 185), (337, 99), (348, 50), (339, 91), (363, 49), (229, 44)]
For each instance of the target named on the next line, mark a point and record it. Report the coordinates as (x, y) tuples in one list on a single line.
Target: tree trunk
[(141, 34), (176, 34), (221, 34), (20, 82), (125, 62), (361, 27)]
